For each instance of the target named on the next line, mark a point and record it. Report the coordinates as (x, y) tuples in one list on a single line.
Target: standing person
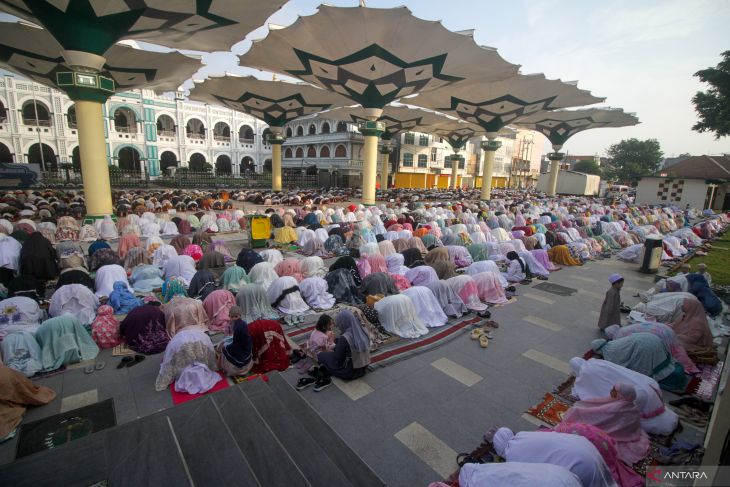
[(235, 353), (611, 307)]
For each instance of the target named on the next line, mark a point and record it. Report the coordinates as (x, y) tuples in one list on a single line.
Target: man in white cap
[(611, 307)]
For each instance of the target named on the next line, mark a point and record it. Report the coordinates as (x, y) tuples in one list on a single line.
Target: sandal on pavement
[(483, 341), (305, 382), (322, 384), (125, 361), (99, 365), (89, 369), (137, 359), (476, 333)]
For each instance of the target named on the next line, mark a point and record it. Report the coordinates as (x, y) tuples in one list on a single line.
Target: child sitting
[(322, 339)]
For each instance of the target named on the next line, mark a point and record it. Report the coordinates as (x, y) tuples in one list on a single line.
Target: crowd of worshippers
[(395, 270)]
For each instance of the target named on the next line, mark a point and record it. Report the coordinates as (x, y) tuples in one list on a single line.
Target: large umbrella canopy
[(96, 25), (493, 105), (274, 102), (374, 56), (396, 118), (456, 132), (558, 126), (34, 53)]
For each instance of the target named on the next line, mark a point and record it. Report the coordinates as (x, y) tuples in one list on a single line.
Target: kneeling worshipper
[(560, 255), (20, 351), (175, 286), (19, 313), (121, 300), (285, 297), (264, 274), (183, 312), (617, 415), (17, 393), (202, 284), (467, 290), (234, 353), (427, 306), (103, 257), (270, 347), (517, 269), (189, 361), (622, 474), (217, 306), (144, 329), (450, 302), (515, 474), (694, 333), (9, 259), (314, 292), (422, 275), (489, 288), (38, 258), (644, 353), (398, 316), (63, 340), (182, 266), (163, 254), (378, 283), (351, 356), (247, 258), (254, 304), (341, 285), (214, 262), (74, 300), (146, 278), (664, 332), (595, 378), (105, 328), (106, 276), (233, 278), (572, 452)]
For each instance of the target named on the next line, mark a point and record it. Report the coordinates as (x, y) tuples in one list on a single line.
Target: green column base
[(91, 219)]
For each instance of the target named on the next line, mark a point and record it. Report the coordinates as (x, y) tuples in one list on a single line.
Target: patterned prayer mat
[(551, 288), (65, 427), (709, 376), (550, 410), (182, 397), (121, 350)]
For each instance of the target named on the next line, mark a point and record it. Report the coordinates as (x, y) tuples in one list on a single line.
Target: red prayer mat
[(550, 410), (181, 397)]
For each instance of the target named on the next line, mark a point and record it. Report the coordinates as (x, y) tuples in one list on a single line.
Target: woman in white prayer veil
[(398, 316), (263, 274), (313, 267), (427, 306), (305, 237), (254, 304), (20, 313), (450, 302), (395, 264), (182, 266), (422, 275), (516, 474), (76, 300), (163, 254), (314, 292), (150, 229), (369, 249), (284, 296), (108, 229), (105, 278), (272, 256), (595, 378), (486, 266), (20, 351), (573, 452), (169, 229)]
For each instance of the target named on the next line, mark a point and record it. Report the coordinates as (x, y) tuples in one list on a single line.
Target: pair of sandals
[(482, 336), (130, 361), (292, 320), (95, 366), (319, 383)]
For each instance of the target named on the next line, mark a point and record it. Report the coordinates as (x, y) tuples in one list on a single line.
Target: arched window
[(300, 153), (246, 135), (167, 159), (266, 134), (288, 153), (195, 129), (45, 157), (165, 126), (311, 151), (36, 113), (5, 154), (407, 159), (340, 151), (223, 165), (289, 132), (326, 128), (312, 129), (247, 165), (129, 159), (267, 166), (125, 121), (324, 151), (71, 117), (197, 162), (222, 133), (3, 113), (300, 131), (422, 160), (341, 127)]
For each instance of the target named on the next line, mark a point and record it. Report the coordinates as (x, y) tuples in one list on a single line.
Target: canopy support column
[(455, 159), (490, 148), (276, 139), (555, 158), (372, 130)]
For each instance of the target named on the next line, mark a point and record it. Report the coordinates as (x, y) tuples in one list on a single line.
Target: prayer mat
[(121, 350), (550, 410), (248, 378), (565, 390), (551, 288), (182, 397), (62, 428), (709, 377)]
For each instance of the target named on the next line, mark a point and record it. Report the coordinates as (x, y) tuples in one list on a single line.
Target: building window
[(289, 133), (300, 131), (462, 162), (407, 159), (423, 140), (434, 154), (312, 129), (300, 153), (422, 160), (326, 128), (341, 127), (324, 151), (409, 139), (288, 153), (340, 151), (447, 162), (311, 151)]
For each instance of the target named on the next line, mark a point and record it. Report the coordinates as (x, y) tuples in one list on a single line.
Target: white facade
[(573, 183), (679, 192), (424, 153), (144, 130)]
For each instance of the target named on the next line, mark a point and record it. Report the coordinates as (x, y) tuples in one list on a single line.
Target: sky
[(639, 54)]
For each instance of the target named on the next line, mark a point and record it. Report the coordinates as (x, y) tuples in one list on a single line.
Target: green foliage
[(588, 167), (713, 106), (631, 159)]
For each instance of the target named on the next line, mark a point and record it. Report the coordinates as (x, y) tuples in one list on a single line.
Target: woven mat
[(121, 350), (550, 410)]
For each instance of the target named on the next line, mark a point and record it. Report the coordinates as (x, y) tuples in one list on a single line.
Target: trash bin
[(652, 255), (259, 230)]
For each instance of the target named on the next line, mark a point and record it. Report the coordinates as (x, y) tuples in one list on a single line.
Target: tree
[(713, 105), (588, 167), (631, 159)]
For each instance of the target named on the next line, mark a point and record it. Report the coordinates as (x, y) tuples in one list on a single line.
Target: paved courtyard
[(409, 420)]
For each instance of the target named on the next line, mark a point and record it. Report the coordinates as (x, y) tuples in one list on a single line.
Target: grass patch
[(717, 261)]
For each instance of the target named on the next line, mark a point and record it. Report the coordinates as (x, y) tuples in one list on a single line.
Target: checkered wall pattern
[(670, 190)]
